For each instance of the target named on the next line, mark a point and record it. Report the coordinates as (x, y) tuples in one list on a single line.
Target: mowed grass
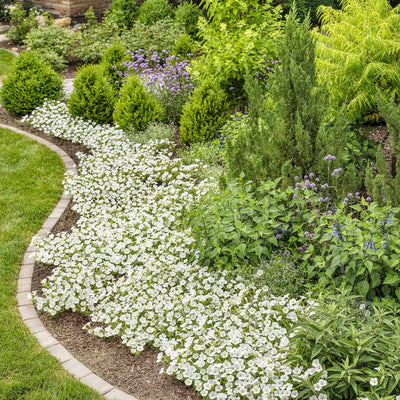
[(30, 185), (6, 61)]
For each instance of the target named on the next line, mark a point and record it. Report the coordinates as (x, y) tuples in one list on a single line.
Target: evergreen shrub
[(187, 15), (287, 134), (93, 97), (124, 12), (29, 82), (153, 10), (136, 107), (204, 114)]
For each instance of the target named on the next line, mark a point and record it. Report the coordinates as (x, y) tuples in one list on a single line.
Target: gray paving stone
[(60, 352), (26, 271), (76, 368), (63, 203), (24, 285), (117, 394), (35, 325), (23, 300), (27, 312), (28, 256), (49, 223), (56, 213), (97, 383), (46, 339)]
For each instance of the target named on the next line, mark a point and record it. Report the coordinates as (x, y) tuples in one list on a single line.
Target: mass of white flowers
[(130, 265)]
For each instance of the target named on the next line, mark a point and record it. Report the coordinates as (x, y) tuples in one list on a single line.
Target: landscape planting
[(239, 201)]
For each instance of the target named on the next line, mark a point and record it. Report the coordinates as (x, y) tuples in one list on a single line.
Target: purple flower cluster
[(166, 77)]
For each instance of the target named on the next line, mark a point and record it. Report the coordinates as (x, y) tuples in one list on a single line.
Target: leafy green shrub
[(93, 97), (183, 46), (53, 43), (204, 114), (357, 52), (112, 57), (29, 82), (356, 343), (235, 38), (94, 38), (153, 10), (21, 23), (355, 242), (136, 107), (123, 12), (157, 37), (187, 14)]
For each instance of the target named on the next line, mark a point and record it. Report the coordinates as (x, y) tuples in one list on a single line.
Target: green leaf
[(362, 288), (391, 279)]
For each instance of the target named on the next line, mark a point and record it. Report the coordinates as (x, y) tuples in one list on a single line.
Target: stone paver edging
[(27, 309)]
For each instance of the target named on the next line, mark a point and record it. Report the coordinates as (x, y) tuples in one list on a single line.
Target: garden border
[(26, 307)]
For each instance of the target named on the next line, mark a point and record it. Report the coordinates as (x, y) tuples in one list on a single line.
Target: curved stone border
[(26, 307)]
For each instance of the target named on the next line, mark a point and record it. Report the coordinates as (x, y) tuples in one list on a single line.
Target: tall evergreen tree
[(286, 135)]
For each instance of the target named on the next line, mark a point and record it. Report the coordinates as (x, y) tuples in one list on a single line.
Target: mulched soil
[(109, 358)]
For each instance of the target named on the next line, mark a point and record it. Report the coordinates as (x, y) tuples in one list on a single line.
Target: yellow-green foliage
[(236, 36), (204, 114), (136, 107), (358, 50), (93, 97)]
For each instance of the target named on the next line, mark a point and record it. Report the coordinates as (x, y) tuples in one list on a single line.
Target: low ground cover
[(30, 185)]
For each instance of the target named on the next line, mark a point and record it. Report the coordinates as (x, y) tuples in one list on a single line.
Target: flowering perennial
[(128, 265)]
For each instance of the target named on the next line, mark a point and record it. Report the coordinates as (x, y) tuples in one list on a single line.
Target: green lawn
[(30, 185), (6, 61)]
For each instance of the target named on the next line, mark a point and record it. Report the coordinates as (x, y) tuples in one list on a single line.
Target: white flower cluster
[(128, 265)]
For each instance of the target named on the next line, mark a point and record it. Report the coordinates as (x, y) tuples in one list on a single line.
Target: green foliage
[(358, 50), (123, 12), (237, 228), (153, 10), (113, 56), (29, 82), (136, 107), (93, 97), (204, 114), (307, 6), (157, 37), (154, 131), (356, 343), (382, 184), (286, 135), (355, 242), (94, 38), (236, 36), (187, 14), (53, 43), (359, 245), (21, 23), (183, 46)]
